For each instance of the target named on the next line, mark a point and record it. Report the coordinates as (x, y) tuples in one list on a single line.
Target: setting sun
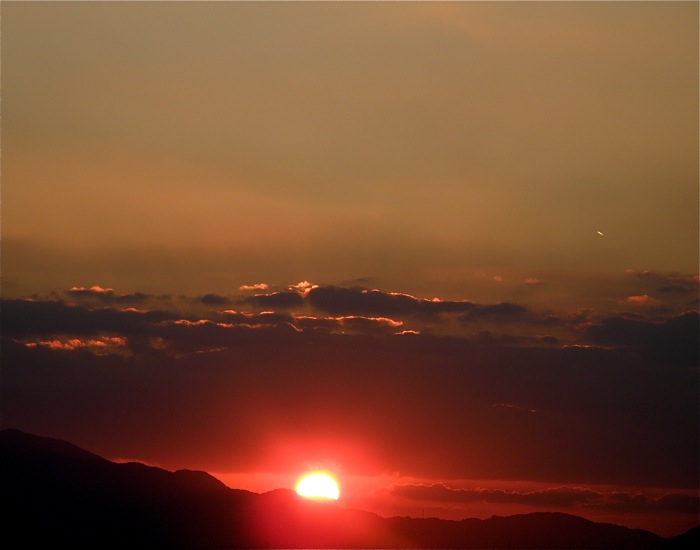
[(318, 485)]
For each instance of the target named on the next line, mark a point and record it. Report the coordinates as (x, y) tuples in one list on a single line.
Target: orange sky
[(230, 142), (447, 250)]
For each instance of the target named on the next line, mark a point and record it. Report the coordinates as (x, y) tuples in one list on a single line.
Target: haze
[(448, 251)]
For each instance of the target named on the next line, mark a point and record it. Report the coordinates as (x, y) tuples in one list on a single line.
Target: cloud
[(303, 287), (22, 317), (642, 300), (284, 300), (675, 340), (503, 312), (214, 299), (456, 406), (669, 287), (103, 344), (678, 503), (515, 407), (350, 323), (263, 318), (106, 295), (94, 290), (256, 286), (434, 314), (676, 288), (361, 301), (558, 497)]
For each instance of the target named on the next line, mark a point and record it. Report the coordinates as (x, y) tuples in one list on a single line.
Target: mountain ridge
[(60, 493)]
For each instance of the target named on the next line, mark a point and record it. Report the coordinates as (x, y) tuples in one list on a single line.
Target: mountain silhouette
[(56, 493)]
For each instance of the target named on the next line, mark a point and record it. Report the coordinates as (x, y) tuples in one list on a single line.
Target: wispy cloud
[(256, 286), (558, 497)]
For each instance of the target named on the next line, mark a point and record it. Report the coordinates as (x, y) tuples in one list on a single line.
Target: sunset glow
[(442, 253)]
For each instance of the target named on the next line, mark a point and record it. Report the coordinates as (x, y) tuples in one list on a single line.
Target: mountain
[(56, 493)]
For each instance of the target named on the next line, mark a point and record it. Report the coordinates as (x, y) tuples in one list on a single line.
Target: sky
[(446, 250)]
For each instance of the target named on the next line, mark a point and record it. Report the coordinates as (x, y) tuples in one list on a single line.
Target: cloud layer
[(373, 382), (445, 388)]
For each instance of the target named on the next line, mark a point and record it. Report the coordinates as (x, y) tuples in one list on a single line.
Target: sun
[(318, 485)]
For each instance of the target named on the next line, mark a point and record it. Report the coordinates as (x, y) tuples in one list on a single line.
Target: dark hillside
[(57, 494)]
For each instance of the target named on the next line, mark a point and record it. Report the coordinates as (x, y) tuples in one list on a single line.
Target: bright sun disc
[(318, 485)]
